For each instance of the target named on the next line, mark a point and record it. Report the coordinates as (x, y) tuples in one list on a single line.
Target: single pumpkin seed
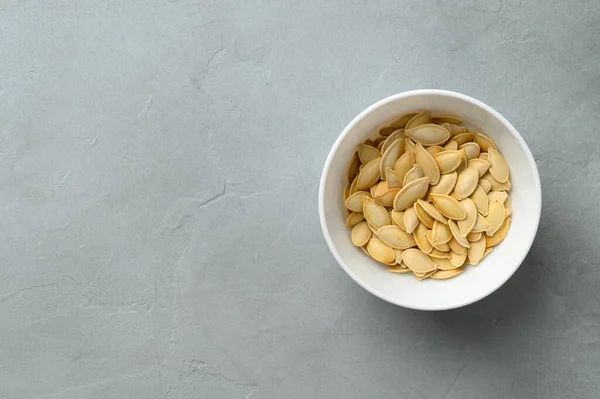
[(448, 161), (404, 164), (481, 165), (370, 142), (455, 246), (380, 252), (445, 263), (474, 236), (387, 198), (398, 269), (495, 217), (472, 150), (372, 189), (508, 206), (476, 251), (409, 145), (354, 218), (466, 183), (417, 261), (411, 220), (455, 129), (420, 236), (410, 193), (395, 237), (419, 119), (398, 253), (402, 121), (445, 185), (481, 225), (367, 153), (462, 138), (445, 274), (463, 165), (369, 174), (361, 234), (393, 179), (415, 173), (441, 232), (423, 216), (485, 185), (499, 169), (497, 196), (480, 199), (434, 149), (397, 218), (353, 167), (426, 275), (428, 164), (375, 214), (500, 235), (428, 134), (355, 201), (387, 130), (396, 135), (437, 254), (432, 211), (390, 156), (449, 207), (457, 259), (445, 118), (450, 146), (485, 143), (455, 230), (379, 188), (353, 188)]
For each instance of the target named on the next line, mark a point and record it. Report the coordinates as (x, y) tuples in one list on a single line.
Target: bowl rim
[(373, 107)]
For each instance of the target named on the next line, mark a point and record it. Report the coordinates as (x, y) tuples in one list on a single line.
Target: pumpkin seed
[(398, 254), (495, 217), (437, 254), (402, 121), (434, 149), (387, 130), (481, 225), (373, 230), (472, 150), (390, 156), (480, 199), (398, 269), (415, 173), (455, 129), (466, 183), (448, 161), (455, 230), (481, 165), (424, 276), (419, 119), (445, 274), (441, 248), (508, 206), (432, 211), (404, 164), (354, 218), (353, 167), (375, 214), (462, 138), (500, 196), (367, 153), (455, 246), (445, 118), (380, 252), (369, 174), (395, 237), (355, 201), (476, 251), (445, 185), (353, 188), (485, 185), (398, 219), (420, 236), (411, 220), (428, 134), (451, 146), (445, 263), (423, 216), (499, 169), (393, 179), (428, 164), (396, 135), (500, 235), (361, 234), (449, 206), (369, 142), (485, 143), (387, 198), (441, 232), (474, 236), (409, 145), (410, 193), (457, 259), (417, 261), (379, 189)]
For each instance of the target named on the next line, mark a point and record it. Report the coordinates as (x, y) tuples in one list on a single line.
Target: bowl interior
[(476, 282)]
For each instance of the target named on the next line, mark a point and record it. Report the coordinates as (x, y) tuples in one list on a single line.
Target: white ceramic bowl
[(476, 282)]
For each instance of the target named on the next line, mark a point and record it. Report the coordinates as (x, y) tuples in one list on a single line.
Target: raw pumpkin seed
[(441, 232), (367, 153), (404, 164), (423, 216), (449, 207), (485, 185), (398, 269), (428, 164), (417, 261), (410, 193), (395, 237), (390, 156), (480, 199), (355, 201), (485, 143), (495, 217), (455, 246), (457, 259), (428, 134), (375, 214), (500, 196), (379, 188), (466, 183), (415, 173), (455, 230), (402, 121), (398, 253), (462, 138), (434, 149), (471, 149), (450, 146), (361, 234), (445, 118), (387, 130), (420, 236), (474, 236), (491, 241), (499, 168), (455, 129), (398, 219), (419, 119), (354, 218), (476, 251), (448, 161), (369, 174), (481, 165), (445, 185), (393, 179), (481, 225), (445, 263), (432, 211), (396, 135), (411, 220), (387, 198), (353, 167), (380, 252), (445, 274)]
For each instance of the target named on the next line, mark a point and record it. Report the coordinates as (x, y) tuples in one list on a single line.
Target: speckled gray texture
[(159, 163)]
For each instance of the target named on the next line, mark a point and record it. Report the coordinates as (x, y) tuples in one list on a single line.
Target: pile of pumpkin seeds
[(428, 196)]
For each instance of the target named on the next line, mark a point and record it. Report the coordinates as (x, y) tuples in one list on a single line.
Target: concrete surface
[(159, 163)]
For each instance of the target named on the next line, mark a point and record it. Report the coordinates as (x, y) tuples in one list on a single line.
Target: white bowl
[(476, 282)]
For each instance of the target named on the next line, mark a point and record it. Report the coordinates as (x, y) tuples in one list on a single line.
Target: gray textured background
[(159, 164)]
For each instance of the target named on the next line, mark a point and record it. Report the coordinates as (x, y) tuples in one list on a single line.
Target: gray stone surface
[(159, 163)]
